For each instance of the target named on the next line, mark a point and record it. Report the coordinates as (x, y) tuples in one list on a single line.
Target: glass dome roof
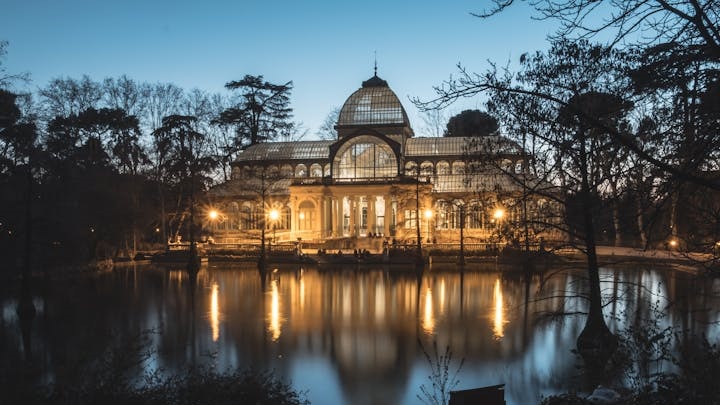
[(373, 104)]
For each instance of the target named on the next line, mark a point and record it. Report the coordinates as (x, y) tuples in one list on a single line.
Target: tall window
[(410, 219), (365, 158), (306, 215)]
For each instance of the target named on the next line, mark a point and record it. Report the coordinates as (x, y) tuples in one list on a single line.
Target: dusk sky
[(327, 48)]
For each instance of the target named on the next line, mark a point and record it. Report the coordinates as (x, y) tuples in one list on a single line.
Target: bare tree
[(126, 94), (163, 100), (8, 79), (327, 129), (434, 123), (63, 97), (644, 22), (569, 99)]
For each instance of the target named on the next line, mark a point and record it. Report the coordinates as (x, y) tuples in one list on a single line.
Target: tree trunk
[(616, 224), (641, 221), (596, 343), (616, 214), (674, 212)]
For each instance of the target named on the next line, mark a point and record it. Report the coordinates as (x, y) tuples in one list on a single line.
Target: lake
[(347, 336)]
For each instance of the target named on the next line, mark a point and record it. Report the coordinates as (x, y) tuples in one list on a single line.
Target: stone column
[(326, 217), (388, 215), (352, 224), (372, 219), (338, 216)]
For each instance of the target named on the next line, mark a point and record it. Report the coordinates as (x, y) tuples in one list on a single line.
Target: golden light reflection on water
[(380, 303), (328, 339), (275, 321), (428, 321), (442, 296), (498, 320), (215, 312), (302, 294)]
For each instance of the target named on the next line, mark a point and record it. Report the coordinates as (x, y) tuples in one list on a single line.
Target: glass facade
[(365, 157), (376, 179)]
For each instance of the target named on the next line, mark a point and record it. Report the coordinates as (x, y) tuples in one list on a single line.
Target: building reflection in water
[(498, 318), (357, 331)]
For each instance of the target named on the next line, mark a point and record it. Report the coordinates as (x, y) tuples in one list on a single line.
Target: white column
[(338, 205), (388, 215), (352, 224), (371, 201)]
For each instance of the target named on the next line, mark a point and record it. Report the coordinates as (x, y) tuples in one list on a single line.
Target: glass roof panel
[(372, 106), (286, 151), (456, 146)]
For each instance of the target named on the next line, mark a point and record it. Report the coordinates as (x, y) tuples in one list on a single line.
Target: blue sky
[(326, 48)]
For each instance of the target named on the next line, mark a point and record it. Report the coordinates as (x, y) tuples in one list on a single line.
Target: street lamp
[(213, 217), (461, 259), (499, 214), (274, 216), (428, 216)]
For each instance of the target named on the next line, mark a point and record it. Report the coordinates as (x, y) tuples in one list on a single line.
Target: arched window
[(235, 218), (306, 215), (248, 217), (458, 167), (443, 167), (316, 170), (411, 169), (285, 218), (286, 171), (301, 170), (442, 214), (426, 168), (365, 157), (455, 210), (475, 215)]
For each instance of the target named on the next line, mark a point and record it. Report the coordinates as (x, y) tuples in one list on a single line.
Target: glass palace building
[(377, 180)]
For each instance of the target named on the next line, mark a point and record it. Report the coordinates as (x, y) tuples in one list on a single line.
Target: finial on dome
[(375, 81), (375, 63)]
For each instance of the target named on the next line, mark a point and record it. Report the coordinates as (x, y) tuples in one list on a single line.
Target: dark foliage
[(471, 123), (193, 388)]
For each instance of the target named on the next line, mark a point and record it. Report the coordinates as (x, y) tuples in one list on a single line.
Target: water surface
[(347, 336)]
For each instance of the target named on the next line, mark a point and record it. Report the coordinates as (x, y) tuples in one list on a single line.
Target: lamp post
[(213, 215), (461, 259), (498, 215), (428, 216), (274, 216)]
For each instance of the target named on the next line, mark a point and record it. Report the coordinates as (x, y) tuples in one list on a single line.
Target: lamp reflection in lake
[(275, 323), (428, 321), (498, 319), (214, 313)]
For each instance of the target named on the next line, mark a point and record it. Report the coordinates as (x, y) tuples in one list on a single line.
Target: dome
[(373, 104)]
